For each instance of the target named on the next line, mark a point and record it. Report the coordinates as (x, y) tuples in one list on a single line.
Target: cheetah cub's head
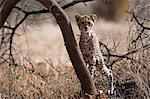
[(86, 23)]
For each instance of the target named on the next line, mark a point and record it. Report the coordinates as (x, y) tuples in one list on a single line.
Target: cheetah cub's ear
[(77, 17), (93, 17)]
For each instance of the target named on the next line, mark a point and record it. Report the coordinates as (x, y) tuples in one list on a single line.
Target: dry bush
[(26, 82)]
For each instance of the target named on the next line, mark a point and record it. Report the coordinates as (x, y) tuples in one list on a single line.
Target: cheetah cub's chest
[(89, 45)]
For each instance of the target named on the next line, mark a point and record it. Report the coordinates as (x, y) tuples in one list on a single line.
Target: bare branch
[(141, 25), (47, 11), (126, 56)]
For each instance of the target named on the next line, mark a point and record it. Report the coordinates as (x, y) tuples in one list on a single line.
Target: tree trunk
[(71, 46), (73, 50), (8, 6)]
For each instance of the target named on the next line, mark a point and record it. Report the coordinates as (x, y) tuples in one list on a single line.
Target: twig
[(11, 38), (7, 27), (140, 24), (120, 57)]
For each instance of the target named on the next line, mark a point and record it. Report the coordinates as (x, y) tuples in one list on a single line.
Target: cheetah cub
[(89, 45)]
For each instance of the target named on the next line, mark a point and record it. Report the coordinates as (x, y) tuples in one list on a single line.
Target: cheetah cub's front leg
[(108, 72)]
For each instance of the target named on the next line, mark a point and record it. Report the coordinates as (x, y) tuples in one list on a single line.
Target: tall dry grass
[(43, 49)]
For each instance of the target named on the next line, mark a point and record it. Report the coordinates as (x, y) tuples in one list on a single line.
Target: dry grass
[(25, 82), (44, 41)]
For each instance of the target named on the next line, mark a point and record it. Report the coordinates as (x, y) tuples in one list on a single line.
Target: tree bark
[(8, 6), (73, 50)]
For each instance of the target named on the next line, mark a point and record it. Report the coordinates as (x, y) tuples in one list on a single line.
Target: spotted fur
[(89, 45)]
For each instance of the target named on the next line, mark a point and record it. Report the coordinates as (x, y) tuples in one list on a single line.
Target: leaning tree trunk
[(6, 10), (81, 70)]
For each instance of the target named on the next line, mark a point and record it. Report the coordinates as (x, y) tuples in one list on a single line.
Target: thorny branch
[(141, 25), (27, 13), (47, 11), (108, 54), (130, 53)]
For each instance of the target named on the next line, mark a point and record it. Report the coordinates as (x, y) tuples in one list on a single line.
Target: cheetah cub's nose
[(86, 28)]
